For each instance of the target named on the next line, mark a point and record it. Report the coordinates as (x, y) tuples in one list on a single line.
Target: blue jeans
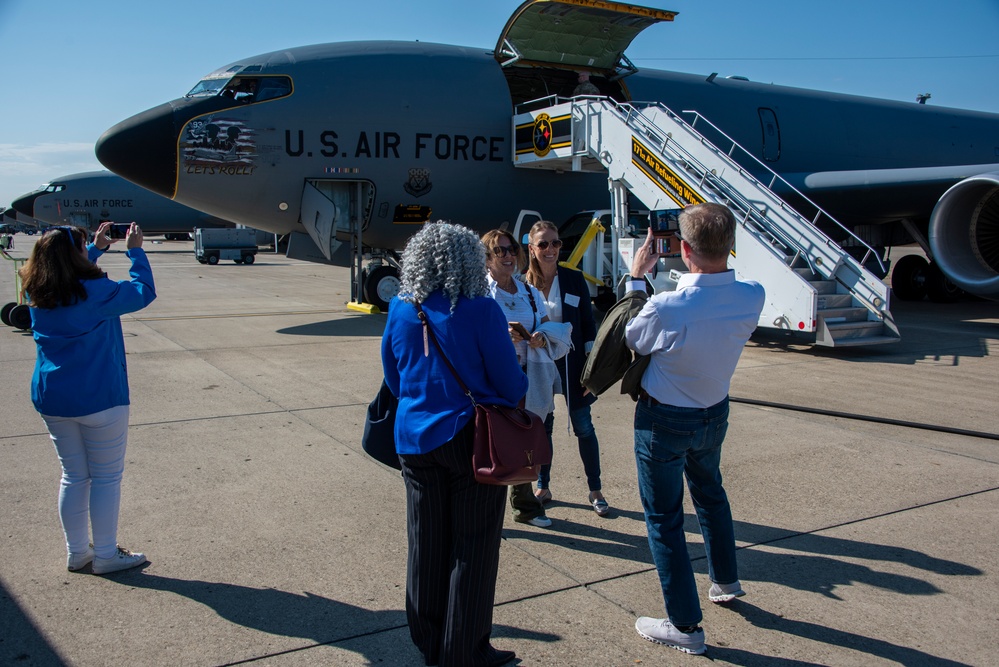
[(671, 442), (589, 448)]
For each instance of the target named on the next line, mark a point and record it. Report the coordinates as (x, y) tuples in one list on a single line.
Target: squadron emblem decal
[(542, 136), (419, 182)]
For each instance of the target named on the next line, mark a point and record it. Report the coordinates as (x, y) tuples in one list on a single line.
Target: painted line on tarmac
[(166, 318)]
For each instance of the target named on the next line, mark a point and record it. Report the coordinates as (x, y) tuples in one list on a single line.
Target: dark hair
[(490, 238), (53, 273)]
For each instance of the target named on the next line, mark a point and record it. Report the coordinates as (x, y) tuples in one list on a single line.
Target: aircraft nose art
[(143, 149)]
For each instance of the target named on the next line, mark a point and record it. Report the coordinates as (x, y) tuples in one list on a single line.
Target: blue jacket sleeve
[(93, 252), (129, 296), (390, 365)]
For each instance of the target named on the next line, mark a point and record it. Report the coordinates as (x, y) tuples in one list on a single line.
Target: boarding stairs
[(813, 285)]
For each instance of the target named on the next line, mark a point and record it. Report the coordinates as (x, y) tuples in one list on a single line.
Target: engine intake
[(964, 234)]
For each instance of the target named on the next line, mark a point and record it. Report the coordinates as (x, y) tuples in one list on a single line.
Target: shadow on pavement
[(903, 655), (817, 563), (313, 617), (20, 641)]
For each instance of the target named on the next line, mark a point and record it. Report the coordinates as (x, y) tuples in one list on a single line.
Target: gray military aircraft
[(85, 199), (360, 141)]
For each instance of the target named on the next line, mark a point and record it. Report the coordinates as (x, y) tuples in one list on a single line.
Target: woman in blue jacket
[(453, 522), (80, 384), (567, 299)]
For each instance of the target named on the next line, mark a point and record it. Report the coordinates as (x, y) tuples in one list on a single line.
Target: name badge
[(572, 300)]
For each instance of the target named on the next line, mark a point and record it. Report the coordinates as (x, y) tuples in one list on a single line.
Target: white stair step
[(824, 286), (828, 301), (839, 315)]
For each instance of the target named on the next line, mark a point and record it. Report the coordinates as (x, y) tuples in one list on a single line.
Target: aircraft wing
[(869, 178)]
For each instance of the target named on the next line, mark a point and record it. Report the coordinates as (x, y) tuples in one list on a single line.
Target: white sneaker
[(539, 521), (122, 560), (76, 562), (661, 631), (720, 593)]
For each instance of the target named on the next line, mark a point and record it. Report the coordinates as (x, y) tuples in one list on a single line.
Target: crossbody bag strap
[(428, 332), (534, 306)]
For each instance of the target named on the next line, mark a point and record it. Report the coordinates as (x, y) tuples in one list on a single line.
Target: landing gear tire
[(20, 317), (939, 287), (5, 313), (380, 285), (213, 259), (909, 278), (248, 259)]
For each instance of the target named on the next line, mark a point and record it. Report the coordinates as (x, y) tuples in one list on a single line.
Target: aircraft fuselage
[(87, 198), (429, 126)]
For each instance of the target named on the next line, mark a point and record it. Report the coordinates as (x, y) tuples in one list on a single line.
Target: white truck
[(239, 245)]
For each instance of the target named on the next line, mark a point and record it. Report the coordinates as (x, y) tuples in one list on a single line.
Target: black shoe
[(499, 657)]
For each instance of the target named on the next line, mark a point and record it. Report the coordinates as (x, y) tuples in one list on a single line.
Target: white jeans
[(92, 452)]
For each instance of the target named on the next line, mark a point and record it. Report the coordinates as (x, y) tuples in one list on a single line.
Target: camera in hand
[(665, 228), (118, 230)]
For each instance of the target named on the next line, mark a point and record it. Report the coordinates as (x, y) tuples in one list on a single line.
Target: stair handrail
[(630, 116), (778, 178)]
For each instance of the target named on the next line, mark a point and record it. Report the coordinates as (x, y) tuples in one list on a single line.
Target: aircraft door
[(771, 134), (331, 211), (79, 219)]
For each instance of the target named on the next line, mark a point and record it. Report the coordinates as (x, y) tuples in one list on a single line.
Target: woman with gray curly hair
[(453, 522)]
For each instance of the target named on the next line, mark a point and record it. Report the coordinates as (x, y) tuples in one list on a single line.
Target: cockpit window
[(257, 88), (244, 89), (208, 87), (54, 187)]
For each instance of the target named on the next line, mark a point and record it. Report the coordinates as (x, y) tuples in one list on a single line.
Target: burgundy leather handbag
[(510, 444)]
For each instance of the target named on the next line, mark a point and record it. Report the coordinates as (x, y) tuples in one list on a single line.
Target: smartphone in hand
[(520, 329), (118, 230)]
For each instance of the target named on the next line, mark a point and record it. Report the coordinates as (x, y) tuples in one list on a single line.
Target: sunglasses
[(543, 245), (504, 250)]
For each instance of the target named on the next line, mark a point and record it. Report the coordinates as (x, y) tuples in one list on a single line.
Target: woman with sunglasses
[(521, 304), (80, 384), (567, 299)]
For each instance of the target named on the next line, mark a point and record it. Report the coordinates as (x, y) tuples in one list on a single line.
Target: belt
[(645, 395)]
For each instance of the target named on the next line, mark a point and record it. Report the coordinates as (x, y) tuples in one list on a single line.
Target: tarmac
[(274, 540)]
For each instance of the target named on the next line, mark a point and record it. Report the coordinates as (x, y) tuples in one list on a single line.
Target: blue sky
[(73, 69)]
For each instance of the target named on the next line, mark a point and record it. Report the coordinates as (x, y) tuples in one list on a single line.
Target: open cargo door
[(579, 35)]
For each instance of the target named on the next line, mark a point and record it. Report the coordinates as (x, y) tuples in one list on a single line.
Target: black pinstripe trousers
[(454, 526)]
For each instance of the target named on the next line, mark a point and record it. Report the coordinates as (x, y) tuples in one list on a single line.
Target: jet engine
[(964, 234)]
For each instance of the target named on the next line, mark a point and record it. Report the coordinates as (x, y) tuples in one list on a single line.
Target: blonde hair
[(534, 274)]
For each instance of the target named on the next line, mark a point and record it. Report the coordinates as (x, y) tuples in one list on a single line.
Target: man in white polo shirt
[(695, 336)]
